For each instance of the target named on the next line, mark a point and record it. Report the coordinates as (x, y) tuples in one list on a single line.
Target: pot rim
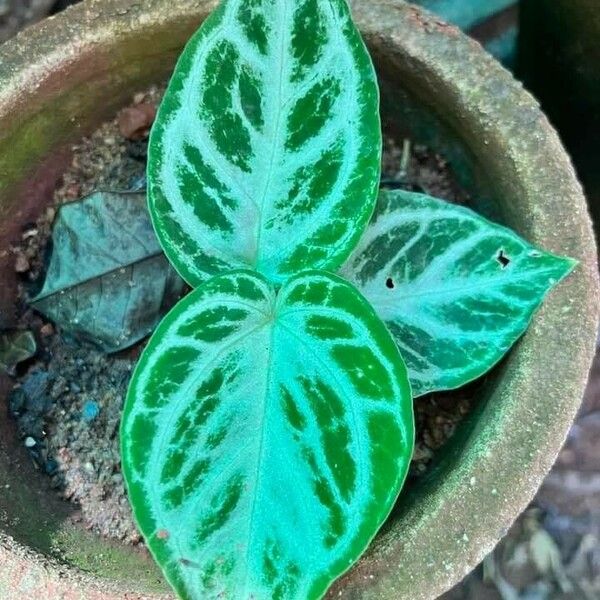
[(518, 434)]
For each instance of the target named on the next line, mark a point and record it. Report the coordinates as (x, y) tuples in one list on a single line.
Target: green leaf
[(265, 437), (108, 280), (15, 347), (455, 290), (266, 150)]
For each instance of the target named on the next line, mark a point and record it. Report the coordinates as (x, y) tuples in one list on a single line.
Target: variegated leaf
[(265, 436), (455, 290), (266, 150)]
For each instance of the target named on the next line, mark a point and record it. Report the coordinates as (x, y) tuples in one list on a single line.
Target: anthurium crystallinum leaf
[(265, 436), (455, 290), (108, 280), (266, 150)]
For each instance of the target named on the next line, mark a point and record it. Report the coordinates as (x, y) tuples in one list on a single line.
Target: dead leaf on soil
[(108, 280)]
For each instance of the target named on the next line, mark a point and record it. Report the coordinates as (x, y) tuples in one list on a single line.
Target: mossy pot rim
[(60, 79)]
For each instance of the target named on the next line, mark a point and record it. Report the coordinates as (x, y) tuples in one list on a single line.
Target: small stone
[(135, 121), (22, 264), (29, 442), (35, 387), (138, 183), (47, 330), (51, 467), (29, 233), (73, 191), (90, 411)]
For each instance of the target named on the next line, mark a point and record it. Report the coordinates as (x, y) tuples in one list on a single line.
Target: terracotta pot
[(559, 58), (59, 80)]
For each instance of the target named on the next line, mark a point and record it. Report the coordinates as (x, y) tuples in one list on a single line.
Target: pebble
[(29, 442), (51, 467), (22, 264), (30, 233), (29, 402), (47, 330), (135, 121), (90, 411)]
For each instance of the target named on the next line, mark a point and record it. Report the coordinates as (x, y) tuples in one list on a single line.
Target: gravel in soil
[(67, 405)]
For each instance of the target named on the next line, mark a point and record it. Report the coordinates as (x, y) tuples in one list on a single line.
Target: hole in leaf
[(503, 259), (189, 563), (389, 283)]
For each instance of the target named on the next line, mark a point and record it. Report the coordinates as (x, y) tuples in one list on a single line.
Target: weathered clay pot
[(62, 78), (559, 59)]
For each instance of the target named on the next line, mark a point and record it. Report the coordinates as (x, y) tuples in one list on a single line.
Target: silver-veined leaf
[(455, 290), (265, 436), (266, 150)]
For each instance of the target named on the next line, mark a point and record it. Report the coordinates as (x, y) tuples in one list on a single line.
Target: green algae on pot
[(445, 525)]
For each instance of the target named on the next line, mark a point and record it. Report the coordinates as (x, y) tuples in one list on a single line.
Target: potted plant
[(510, 160)]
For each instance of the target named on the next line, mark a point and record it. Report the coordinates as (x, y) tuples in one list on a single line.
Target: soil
[(67, 403)]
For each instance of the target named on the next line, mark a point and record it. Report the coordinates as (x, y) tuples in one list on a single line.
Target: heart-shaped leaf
[(455, 290), (266, 150), (108, 280), (265, 437)]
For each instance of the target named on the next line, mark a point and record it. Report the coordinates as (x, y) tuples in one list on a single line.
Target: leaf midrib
[(261, 446), (494, 282), (57, 290), (276, 143)]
